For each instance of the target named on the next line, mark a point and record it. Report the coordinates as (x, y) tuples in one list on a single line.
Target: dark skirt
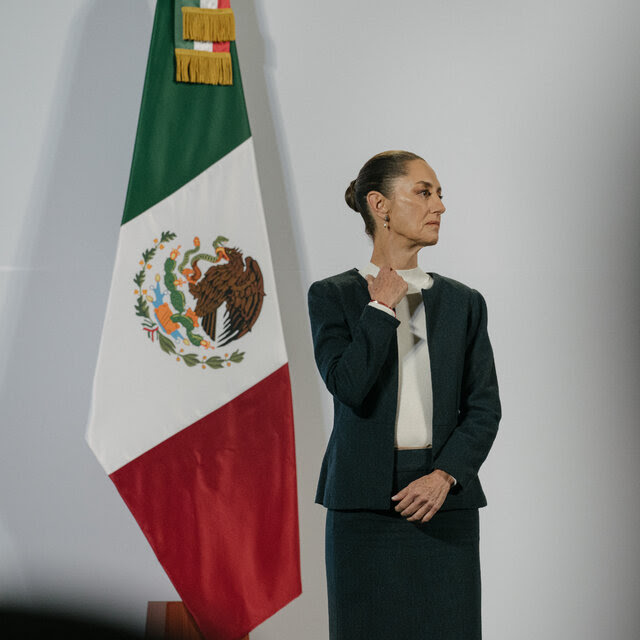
[(389, 578)]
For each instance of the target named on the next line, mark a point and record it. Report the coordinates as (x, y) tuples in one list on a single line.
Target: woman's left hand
[(421, 499)]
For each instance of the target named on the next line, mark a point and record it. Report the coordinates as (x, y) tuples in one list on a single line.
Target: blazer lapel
[(432, 299)]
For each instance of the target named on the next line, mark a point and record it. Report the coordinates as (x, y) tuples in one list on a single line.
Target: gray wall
[(527, 111)]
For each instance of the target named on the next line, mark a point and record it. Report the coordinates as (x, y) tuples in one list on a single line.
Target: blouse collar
[(415, 278)]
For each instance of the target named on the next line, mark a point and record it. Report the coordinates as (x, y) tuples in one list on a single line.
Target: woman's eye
[(427, 194)]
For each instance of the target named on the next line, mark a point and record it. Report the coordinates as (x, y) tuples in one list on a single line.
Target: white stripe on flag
[(202, 46), (224, 200)]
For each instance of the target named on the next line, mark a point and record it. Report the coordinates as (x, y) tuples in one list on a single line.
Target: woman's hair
[(377, 174)]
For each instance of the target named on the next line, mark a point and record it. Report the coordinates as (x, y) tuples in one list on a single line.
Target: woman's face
[(415, 207)]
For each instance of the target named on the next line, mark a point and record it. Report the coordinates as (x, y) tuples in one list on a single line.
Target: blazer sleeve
[(349, 358), (469, 443)]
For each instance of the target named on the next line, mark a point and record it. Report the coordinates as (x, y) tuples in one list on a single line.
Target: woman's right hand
[(387, 287)]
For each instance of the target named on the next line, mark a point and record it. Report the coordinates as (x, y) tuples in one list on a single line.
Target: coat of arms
[(200, 300)]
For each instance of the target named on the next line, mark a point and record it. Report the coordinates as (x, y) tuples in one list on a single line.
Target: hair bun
[(350, 196)]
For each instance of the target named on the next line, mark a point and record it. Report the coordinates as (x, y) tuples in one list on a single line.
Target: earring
[(386, 220)]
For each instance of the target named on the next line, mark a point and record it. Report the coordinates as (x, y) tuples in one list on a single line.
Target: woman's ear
[(378, 204)]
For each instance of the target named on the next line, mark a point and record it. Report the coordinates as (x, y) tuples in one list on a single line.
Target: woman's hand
[(421, 499), (387, 287)]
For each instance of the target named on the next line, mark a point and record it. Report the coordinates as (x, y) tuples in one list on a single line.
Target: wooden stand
[(172, 621)]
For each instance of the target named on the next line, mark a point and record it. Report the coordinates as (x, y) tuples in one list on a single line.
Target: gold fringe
[(204, 67), (208, 25)]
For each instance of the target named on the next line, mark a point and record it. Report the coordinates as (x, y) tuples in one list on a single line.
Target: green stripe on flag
[(180, 42), (183, 128)]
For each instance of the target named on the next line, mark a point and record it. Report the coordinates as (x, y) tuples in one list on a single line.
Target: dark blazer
[(356, 352)]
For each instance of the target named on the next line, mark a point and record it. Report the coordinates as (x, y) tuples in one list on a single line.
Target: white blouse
[(414, 415)]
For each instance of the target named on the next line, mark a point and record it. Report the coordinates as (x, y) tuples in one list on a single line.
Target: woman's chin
[(429, 242)]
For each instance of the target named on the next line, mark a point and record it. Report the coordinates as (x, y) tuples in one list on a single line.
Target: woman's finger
[(404, 503), (427, 516), (401, 494), (410, 498), (413, 491), (417, 501), (419, 514), (411, 509), (433, 510)]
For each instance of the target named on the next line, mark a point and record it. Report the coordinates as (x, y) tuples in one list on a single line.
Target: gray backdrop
[(528, 111)]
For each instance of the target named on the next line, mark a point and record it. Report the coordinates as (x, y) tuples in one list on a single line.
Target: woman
[(407, 358)]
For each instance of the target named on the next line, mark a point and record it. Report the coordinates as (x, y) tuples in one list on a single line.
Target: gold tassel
[(208, 25), (203, 67)]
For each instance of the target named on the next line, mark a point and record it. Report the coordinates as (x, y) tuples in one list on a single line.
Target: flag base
[(172, 620)]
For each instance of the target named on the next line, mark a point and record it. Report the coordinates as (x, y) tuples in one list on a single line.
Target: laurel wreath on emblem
[(185, 301)]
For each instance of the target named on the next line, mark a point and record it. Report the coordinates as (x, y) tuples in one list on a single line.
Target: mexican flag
[(191, 413)]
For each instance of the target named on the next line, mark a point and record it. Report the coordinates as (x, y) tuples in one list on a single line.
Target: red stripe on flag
[(218, 504), (222, 46)]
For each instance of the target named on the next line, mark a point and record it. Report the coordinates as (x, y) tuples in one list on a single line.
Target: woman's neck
[(398, 258)]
